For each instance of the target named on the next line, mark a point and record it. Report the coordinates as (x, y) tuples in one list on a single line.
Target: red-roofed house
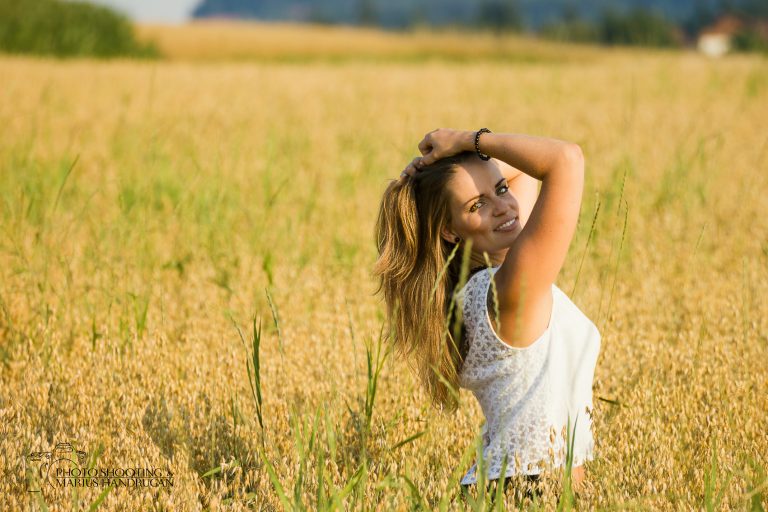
[(715, 40)]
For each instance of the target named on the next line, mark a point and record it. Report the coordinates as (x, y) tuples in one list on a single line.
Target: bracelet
[(482, 156)]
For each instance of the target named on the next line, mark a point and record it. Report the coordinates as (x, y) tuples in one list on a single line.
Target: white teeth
[(507, 224)]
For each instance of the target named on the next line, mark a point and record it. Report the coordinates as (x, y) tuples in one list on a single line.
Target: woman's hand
[(442, 143), (412, 168), (438, 144)]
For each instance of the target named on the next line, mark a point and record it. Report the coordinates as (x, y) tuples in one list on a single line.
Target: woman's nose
[(500, 206)]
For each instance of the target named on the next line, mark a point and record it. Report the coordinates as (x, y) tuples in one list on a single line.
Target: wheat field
[(185, 276)]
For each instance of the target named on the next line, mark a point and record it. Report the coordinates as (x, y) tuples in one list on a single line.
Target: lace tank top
[(527, 394)]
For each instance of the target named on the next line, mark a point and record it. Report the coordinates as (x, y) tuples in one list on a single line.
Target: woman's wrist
[(468, 140)]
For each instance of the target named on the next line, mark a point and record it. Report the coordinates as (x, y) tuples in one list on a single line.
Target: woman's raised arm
[(537, 254)]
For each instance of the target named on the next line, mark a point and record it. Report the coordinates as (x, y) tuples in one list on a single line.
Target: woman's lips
[(507, 226)]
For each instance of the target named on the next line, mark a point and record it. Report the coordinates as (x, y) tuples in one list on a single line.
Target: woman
[(503, 330)]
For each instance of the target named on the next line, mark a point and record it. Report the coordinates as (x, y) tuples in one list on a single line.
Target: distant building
[(716, 39)]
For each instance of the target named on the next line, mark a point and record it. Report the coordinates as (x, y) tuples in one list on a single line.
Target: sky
[(152, 11)]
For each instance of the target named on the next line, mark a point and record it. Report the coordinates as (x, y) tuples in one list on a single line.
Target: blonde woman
[(514, 339)]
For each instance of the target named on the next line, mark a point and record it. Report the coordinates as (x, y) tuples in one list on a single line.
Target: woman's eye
[(501, 191)]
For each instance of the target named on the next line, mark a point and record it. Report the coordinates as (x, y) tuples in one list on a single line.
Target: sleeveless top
[(527, 394)]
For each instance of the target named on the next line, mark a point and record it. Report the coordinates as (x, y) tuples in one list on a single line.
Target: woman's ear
[(448, 235)]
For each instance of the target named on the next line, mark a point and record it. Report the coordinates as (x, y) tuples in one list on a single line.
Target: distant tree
[(728, 7), (756, 8), (226, 7), (750, 40), (745, 8), (320, 16), (703, 14), (500, 15), (571, 27), (64, 29), (570, 12), (417, 15), (367, 12), (636, 27)]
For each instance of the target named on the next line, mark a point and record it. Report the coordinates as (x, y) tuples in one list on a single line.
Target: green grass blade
[(407, 440), (275, 319), (100, 498), (276, 483)]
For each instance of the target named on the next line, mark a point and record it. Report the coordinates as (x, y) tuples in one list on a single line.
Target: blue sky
[(156, 11)]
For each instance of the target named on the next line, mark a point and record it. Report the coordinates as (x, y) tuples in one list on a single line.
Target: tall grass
[(253, 368), (204, 189)]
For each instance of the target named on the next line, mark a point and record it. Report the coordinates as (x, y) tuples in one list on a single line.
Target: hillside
[(403, 13)]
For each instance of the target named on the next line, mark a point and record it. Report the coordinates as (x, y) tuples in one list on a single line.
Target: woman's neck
[(478, 260)]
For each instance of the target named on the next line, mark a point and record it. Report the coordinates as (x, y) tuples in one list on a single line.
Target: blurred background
[(188, 192), (103, 27)]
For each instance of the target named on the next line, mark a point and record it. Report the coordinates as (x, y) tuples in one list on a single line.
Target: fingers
[(412, 168), (418, 163), (429, 156), (425, 146), (428, 159)]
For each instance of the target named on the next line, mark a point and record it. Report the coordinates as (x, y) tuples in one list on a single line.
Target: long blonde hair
[(419, 271)]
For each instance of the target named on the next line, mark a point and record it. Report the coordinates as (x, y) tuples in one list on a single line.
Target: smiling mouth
[(507, 226)]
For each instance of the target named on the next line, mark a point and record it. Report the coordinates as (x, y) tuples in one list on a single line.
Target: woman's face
[(481, 207)]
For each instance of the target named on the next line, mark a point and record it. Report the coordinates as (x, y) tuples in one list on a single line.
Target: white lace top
[(526, 394)]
